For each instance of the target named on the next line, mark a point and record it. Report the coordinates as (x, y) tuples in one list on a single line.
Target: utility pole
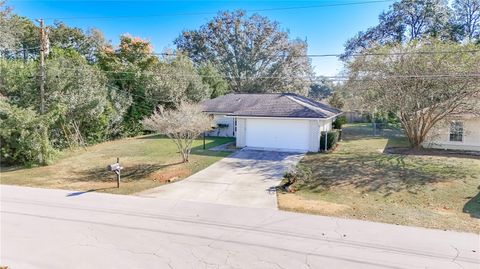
[(41, 84)]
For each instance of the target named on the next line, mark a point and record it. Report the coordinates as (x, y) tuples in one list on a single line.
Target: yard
[(148, 161), (358, 180)]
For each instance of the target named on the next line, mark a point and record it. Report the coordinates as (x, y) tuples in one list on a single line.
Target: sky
[(325, 28)]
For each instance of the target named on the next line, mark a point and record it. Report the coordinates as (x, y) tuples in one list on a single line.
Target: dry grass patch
[(419, 190), (148, 162)]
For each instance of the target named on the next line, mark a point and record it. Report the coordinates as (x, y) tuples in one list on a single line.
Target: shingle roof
[(285, 105)]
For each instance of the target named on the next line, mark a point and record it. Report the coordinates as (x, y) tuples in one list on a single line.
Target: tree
[(467, 18), (182, 125), (320, 90), (336, 100), (252, 53), (421, 89), (405, 21), (80, 108), (78, 93), (173, 81), (126, 68), (210, 76), (86, 43), (19, 137), (8, 39)]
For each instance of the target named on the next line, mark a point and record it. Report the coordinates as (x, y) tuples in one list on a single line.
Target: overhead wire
[(214, 13)]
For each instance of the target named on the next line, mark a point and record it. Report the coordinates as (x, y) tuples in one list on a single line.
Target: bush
[(300, 174), (332, 139), (339, 121), (20, 140)]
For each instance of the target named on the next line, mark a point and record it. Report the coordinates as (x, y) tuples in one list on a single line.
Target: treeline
[(95, 91)]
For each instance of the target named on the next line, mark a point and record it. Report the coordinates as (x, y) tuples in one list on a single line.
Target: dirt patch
[(169, 174), (294, 202)]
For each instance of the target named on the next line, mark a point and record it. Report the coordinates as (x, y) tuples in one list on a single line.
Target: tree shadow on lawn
[(472, 207), (383, 173), (128, 174)]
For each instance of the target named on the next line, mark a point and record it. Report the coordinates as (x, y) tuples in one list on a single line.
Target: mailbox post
[(116, 168)]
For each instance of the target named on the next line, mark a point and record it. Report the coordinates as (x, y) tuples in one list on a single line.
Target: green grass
[(358, 180), (148, 161)]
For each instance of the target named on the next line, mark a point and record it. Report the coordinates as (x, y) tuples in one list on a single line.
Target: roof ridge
[(304, 104)]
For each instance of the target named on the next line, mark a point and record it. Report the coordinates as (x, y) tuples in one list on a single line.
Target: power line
[(356, 54), (214, 13), (450, 75), (314, 55)]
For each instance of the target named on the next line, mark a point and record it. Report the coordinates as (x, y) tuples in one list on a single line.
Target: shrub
[(20, 140), (332, 139), (299, 174), (339, 121)]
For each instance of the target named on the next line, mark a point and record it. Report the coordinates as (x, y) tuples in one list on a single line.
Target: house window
[(456, 131)]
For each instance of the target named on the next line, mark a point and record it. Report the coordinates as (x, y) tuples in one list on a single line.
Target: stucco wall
[(241, 125), (222, 119), (315, 135), (439, 136), (315, 128)]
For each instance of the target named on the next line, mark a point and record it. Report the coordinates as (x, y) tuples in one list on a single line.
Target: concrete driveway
[(245, 178), (52, 229)]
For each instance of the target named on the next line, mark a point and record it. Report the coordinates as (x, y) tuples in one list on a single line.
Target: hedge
[(332, 139)]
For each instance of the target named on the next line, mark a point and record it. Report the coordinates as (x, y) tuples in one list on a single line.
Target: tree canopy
[(408, 20), (420, 88), (252, 53)]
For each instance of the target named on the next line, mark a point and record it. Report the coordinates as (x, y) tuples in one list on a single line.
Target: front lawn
[(148, 162), (359, 181)]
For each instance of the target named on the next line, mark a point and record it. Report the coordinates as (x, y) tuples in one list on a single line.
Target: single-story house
[(458, 132), (279, 121)]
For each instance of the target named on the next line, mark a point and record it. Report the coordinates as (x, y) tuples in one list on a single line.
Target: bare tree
[(182, 125), (418, 82), (467, 16)]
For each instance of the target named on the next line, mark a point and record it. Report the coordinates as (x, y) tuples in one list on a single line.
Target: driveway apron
[(245, 178)]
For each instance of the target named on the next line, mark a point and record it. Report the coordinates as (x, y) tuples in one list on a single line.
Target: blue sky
[(325, 28)]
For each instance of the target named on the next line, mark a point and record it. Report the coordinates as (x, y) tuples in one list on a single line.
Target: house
[(280, 121), (458, 132)]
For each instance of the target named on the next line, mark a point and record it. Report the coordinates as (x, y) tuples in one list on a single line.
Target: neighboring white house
[(460, 132), (281, 121)]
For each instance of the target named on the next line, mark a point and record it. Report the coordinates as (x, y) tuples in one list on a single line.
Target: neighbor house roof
[(284, 105)]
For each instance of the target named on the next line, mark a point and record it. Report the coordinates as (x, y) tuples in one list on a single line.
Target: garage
[(285, 134), (273, 121)]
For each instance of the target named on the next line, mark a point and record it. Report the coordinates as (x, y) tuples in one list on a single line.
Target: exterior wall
[(226, 132), (326, 125), (439, 137), (241, 126), (315, 127)]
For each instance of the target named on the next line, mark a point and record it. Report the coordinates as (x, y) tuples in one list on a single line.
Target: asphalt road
[(63, 229), (246, 178)]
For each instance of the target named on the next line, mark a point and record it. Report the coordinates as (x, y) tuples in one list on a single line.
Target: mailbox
[(113, 167)]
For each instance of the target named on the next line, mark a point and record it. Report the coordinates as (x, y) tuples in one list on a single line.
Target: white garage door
[(277, 134)]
